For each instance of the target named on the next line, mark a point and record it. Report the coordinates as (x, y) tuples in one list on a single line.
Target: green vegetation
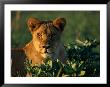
[(82, 61), (83, 57)]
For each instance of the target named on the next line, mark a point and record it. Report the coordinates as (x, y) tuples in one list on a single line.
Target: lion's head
[(46, 35)]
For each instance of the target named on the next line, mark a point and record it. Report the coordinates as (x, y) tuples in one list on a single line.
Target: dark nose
[(46, 46)]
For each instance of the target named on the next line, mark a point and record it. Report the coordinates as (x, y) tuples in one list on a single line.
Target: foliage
[(82, 60)]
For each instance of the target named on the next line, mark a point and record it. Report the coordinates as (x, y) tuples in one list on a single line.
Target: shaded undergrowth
[(82, 61)]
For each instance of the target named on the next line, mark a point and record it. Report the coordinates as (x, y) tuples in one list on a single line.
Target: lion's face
[(46, 35)]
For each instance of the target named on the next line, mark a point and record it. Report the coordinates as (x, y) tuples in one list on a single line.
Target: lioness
[(45, 41)]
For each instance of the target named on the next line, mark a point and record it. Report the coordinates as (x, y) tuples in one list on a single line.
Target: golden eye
[(39, 35)]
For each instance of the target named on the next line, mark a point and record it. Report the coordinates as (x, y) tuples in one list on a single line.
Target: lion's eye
[(38, 34)]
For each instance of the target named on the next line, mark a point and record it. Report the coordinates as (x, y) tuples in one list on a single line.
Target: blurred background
[(80, 25)]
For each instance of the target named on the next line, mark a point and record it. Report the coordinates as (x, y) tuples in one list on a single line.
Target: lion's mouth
[(47, 52), (45, 55)]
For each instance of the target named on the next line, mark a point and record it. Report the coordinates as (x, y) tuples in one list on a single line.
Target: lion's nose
[(46, 46)]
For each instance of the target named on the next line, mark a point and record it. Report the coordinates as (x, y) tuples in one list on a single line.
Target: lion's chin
[(47, 55)]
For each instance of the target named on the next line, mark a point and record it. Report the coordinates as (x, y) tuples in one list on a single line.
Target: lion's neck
[(60, 53)]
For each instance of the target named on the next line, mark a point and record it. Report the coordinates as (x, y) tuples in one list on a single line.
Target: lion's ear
[(33, 23), (59, 23)]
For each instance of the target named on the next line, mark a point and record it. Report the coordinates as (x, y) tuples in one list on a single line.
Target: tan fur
[(45, 40)]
